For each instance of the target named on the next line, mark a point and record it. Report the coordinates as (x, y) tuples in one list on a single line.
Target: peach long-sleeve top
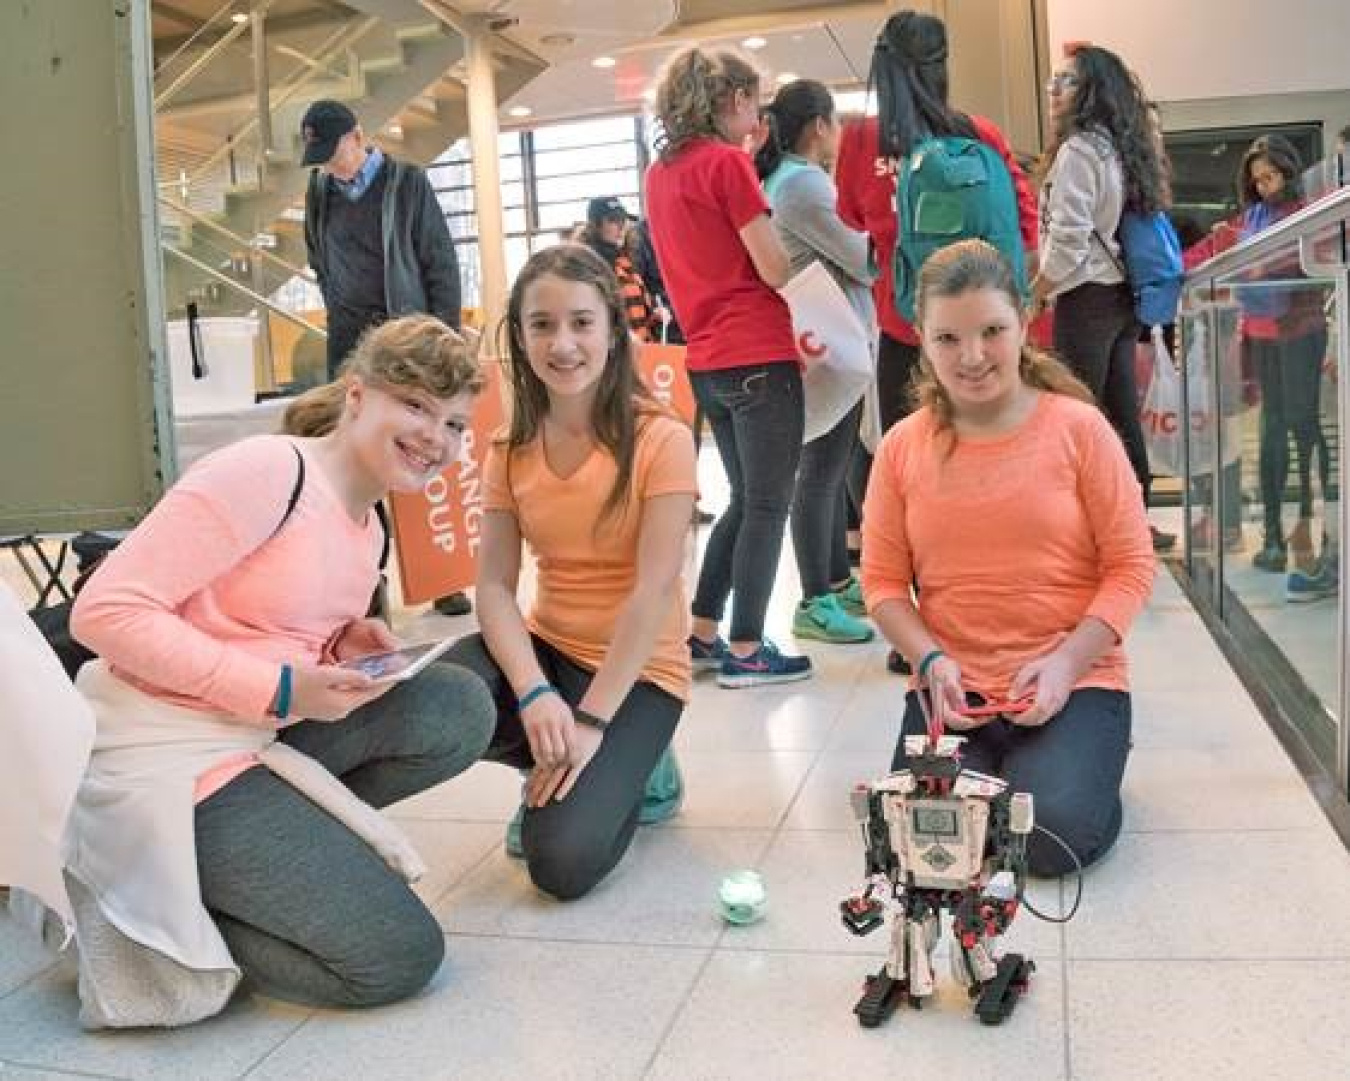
[(1012, 541), (206, 599)]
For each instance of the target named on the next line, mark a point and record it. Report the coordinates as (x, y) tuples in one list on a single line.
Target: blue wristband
[(533, 694), (283, 706), (928, 659)]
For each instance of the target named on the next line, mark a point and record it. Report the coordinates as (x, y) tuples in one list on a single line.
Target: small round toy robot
[(941, 838)]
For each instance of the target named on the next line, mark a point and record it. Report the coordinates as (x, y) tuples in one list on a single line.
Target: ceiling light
[(649, 96), (396, 130), (753, 43), (520, 111), (603, 62), (239, 17), (786, 77)]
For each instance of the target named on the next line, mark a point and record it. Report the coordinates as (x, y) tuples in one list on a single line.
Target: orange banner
[(661, 367), (436, 530)]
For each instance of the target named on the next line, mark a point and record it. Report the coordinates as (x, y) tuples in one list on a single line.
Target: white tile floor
[(1210, 944)]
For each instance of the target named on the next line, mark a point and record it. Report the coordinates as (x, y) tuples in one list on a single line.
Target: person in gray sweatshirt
[(802, 140)]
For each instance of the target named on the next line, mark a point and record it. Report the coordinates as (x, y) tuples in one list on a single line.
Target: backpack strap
[(383, 516), (295, 492), (1107, 248)]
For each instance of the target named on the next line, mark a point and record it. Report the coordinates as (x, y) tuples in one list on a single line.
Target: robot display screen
[(935, 821)]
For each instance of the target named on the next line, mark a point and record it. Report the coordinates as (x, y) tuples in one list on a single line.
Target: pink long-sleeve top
[(1013, 541), (206, 599)]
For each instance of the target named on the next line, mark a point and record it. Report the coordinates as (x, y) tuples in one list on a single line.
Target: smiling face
[(404, 436), (974, 342), (565, 330)]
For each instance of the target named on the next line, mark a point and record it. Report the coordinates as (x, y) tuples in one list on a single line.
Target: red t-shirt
[(697, 203), (866, 183)]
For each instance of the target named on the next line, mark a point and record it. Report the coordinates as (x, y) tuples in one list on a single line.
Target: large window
[(548, 176)]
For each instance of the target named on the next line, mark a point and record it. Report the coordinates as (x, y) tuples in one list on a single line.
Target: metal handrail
[(343, 38), (192, 38), (190, 72), (1332, 209), (201, 219), (243, 290)]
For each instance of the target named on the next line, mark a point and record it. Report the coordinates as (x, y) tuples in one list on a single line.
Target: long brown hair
[(965, 267), (415, 351), (692, 92), (621, 398)]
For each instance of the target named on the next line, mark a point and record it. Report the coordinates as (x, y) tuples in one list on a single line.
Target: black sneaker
[(895, 662), (1162, 542), (453, 604)]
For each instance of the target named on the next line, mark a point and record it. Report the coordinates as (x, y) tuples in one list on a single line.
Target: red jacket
[(866, 183)]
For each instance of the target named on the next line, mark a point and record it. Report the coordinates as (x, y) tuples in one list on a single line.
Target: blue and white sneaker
[(707, 656), (1317, 585), (764, 666)]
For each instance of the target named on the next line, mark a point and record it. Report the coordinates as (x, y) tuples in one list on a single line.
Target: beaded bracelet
[(534, 694)]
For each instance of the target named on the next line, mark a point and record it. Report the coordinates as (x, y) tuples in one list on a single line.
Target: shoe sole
[(758, 679), (1307, 598), (820, 635), (709, 665)]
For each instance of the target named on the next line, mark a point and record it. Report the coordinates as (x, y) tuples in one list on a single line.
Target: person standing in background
[(1106, 159), (377, 240)]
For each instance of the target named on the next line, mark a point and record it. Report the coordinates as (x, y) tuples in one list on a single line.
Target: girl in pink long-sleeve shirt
[(231, 606), (1009, 503)]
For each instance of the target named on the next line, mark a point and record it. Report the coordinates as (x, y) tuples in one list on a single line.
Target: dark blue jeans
[(820, 509), (757, 418), (1072, 766)]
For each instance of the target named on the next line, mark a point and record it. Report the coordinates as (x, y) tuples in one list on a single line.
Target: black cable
[(1078, 897)]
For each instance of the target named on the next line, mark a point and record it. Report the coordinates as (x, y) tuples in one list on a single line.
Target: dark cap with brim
[(323, 126), (605, 209)]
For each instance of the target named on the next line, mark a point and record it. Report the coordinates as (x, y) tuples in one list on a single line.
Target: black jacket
[(421, 271)]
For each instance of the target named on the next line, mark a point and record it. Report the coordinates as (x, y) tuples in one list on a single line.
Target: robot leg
[(921, 939)]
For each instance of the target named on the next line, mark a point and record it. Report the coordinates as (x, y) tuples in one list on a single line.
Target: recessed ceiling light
[(396, 130), (753, 43), (786, 77), (603, 62), (239, 17), (520, 110)]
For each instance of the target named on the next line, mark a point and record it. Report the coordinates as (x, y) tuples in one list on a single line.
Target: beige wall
[(1205, 49)]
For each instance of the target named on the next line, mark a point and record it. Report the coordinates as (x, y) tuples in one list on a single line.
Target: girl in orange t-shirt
[(599, 481), (1008, 501)]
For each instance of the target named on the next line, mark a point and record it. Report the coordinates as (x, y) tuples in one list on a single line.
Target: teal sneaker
[(824, 619), (514, 848), (665, 791), (850, 597), (1322, 583)]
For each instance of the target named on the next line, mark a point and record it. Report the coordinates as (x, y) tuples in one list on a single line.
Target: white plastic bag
[(835, 347), (1161, 414)]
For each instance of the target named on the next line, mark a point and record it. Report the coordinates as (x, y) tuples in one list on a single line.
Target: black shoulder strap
[(383, 516), (295, 492)]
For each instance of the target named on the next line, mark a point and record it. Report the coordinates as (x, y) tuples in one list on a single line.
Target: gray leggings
[(571, 845), (309, 911)]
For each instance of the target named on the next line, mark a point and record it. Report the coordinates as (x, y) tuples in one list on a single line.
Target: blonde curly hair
[(694, 90)]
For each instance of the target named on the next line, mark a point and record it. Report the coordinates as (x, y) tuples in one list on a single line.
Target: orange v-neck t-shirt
[(587, 562)]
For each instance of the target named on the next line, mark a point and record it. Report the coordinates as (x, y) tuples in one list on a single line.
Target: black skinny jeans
[(757, 416), (1290, 374), (1095, 335), (820, 508), (571, 844), (897, 365)]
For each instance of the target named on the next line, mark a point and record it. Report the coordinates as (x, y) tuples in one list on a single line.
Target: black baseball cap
[(324, 123), (603, 209)]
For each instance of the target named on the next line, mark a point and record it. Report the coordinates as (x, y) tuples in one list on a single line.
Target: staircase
[(398, 68)]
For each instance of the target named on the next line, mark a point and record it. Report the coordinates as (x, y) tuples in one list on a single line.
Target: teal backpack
[(952, 188)]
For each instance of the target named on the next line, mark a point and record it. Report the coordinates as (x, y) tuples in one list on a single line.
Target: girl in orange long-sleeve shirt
[(1008, 500)]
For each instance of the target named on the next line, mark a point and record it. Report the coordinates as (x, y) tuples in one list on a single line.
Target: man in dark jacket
[(377, 240), (374, 231)]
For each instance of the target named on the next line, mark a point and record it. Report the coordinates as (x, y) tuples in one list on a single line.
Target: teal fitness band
[(534, 694), (283, 706), (927, 662)]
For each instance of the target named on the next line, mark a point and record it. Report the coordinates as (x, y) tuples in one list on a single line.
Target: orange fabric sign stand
[(662, 368), (436, 530)]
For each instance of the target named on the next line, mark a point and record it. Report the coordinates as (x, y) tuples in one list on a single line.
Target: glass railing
[(1262, 341)]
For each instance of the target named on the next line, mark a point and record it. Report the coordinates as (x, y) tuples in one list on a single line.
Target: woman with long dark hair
[(1105, 159), (802, 139)]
